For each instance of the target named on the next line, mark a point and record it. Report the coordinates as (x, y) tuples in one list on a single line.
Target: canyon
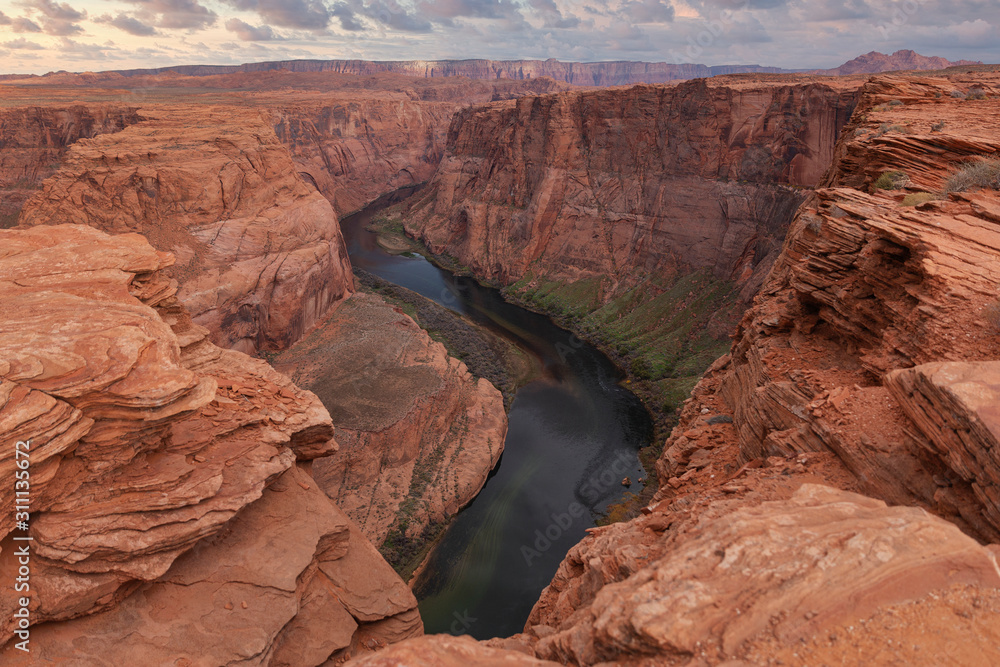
[(827, 489)]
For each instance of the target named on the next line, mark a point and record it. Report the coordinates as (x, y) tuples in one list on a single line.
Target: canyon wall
[(356, 150), (615, 73), (868, 364), (34, 139), (171, 509), (418, 433), (624, 184), (259, 252)]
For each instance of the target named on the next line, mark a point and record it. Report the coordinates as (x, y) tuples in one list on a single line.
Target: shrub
[(974, 176), (892, 180), (895, 103), (937, 127), (917, 198), (958, 94), (976, 94), (886, 127)]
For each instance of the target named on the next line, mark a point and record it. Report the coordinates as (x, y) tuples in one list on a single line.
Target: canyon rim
[(266, 341)]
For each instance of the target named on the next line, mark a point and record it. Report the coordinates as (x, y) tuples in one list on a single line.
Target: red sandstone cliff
[(868, 364), (260, 254), (629, 183), (418, 433), (172, 512), (874, 62), (34, 139)]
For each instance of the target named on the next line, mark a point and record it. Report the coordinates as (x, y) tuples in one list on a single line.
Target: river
[(574, 433)]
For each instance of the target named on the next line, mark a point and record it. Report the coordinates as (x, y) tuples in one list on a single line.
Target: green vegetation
[(976, 94), (975, 175), (665, 334), (891, 180)]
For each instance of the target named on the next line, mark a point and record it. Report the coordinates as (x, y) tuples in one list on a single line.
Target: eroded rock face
[(33, 141), (163, 475), (625, 184), (259, 252), (362, 148), (674, 587), (867, 286), (446, 651), (418, 433)]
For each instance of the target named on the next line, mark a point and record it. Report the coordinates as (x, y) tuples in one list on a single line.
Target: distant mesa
[(611, 73)]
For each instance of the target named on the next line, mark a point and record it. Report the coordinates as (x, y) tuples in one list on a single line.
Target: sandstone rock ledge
[(260, 256), (171, 510), (418, 433)]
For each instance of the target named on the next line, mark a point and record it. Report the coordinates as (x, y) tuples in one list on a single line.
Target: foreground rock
[(418, 433), (869, 286), (446, 651), (259, 252), (681, 584), (163, 474)]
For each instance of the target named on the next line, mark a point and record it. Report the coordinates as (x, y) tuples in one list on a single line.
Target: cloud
[(55, 10), (345, 15), (129, 24), (648, 11), (4, 19), (250, 33), (302, 14), (552, 15), (22, 44), (392, 15), (175, 14), (483, 9), (24, 25)]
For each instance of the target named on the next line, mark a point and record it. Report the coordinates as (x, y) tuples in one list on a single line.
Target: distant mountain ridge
[(874, 62), (611, 73)]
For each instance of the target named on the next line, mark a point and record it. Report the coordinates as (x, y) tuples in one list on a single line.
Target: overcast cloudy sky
[(37, 36)]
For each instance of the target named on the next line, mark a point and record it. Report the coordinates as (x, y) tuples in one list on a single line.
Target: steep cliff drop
[(260, 257), (644, 217), (172, 511), (848, 371), (868, 363), (34, 140), (418, 433)]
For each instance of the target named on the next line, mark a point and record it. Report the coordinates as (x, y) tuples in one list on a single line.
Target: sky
[(38, 36)]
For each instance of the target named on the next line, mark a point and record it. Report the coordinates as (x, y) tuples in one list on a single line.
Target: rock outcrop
[(164, 474), (629, 182), (418, 434), (875, 62), (707, 581), (361, 148), (866, 286), (260, 254), (34, 139)]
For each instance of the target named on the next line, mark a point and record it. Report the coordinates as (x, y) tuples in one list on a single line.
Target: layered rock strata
[(259, 252), (418, 433), (163, 476), (627, 183), (34, 139)]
